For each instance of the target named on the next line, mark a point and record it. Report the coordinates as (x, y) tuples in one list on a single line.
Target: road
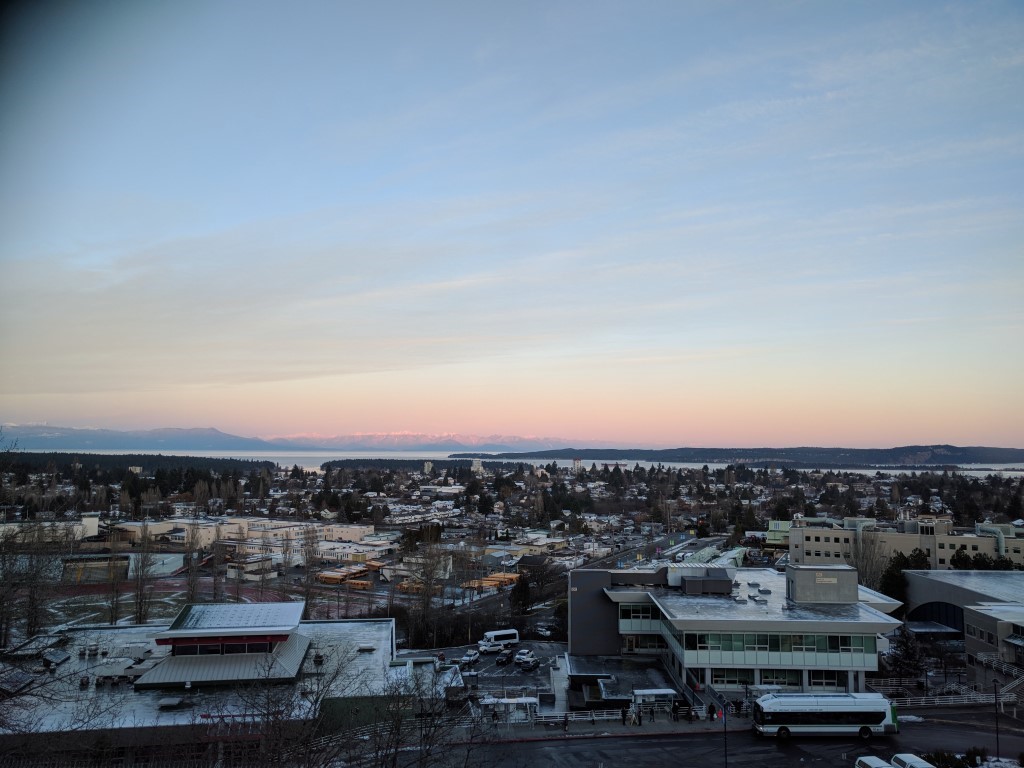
[(745, 750)]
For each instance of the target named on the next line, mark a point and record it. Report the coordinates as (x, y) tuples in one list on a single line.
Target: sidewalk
[(661, 725)]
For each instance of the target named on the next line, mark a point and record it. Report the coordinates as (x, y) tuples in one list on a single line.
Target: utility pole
[(995, 688)]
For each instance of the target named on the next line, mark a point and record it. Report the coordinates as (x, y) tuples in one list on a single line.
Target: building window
[(627, 611), (781, 677), (942, 561), (974, 548), (826, 678), (732, 677)]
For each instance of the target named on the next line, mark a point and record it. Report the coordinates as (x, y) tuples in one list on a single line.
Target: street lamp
[(995, 688), (725, 736)]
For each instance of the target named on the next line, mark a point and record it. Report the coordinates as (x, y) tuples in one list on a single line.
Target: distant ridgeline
[(410, 465), (906, 457), (63, 462)]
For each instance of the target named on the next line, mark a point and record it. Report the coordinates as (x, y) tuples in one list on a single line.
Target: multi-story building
[(984, 610), (809, 629), (860, 537)]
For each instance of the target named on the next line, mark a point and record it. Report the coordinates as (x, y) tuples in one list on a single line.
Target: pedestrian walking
[(689, 714), (625, 713), (565, 723), (639, 716), (675, 711)]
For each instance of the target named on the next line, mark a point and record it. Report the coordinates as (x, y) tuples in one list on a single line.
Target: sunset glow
[(706, 224)]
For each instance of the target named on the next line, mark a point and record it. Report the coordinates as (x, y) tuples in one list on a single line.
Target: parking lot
[(488, 675)]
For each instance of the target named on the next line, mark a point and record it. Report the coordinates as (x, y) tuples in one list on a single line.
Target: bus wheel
[(782, 733), (865, 733)]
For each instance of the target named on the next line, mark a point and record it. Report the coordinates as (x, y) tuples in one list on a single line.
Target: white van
[(497, 639), (870, 761), (906, 760)]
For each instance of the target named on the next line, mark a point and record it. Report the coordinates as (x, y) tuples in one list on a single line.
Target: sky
[(648, 223)]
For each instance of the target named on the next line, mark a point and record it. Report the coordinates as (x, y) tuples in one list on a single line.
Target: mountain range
[(58, 439), (34, 437)]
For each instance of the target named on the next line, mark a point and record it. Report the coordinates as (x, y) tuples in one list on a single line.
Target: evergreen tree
[(906, 658), (892, 582), (961, 561), (520, 597)]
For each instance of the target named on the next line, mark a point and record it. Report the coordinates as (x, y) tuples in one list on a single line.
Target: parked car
[(503, 658), (544, 630), (485, 647), (524, 655), (530, 664), (469, 658)]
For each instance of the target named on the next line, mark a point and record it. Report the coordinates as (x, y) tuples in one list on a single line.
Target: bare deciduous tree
[(868, 557), (142, 570), (192, 564)]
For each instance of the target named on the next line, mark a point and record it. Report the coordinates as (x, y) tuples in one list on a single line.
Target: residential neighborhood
[(726, 583)]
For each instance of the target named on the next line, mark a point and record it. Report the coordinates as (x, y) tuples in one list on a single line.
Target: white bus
[(784, 714), (497, 639)]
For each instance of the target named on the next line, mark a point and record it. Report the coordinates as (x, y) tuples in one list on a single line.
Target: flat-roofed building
[(51, 531), (808, 629), (208, 680), (982, 609), (936, 537)]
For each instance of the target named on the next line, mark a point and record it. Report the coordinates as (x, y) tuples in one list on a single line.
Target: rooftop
[(758, 595), (1004, 586), (220, 619), (349, 657)]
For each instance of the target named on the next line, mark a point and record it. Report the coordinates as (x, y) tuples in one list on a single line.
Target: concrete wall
[(821, 584), (593, 618)]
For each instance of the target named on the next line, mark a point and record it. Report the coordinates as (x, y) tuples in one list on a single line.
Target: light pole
[(995, 688), (725, 736)]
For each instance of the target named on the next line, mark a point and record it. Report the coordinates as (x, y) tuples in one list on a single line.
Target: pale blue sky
[(657, 222)]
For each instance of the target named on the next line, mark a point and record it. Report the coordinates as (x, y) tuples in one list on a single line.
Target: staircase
[(993, 661)]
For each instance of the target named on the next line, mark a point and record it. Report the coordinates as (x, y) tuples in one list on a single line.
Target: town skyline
[(705, 224)]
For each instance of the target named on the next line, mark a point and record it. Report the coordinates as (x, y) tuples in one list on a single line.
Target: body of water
[(312, 460)]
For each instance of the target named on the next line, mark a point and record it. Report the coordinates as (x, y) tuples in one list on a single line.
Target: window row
[(778, 642), (630, 611), (218, 649), (818, 678)]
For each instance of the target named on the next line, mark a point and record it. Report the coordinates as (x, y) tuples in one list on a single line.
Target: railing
[(892, 682), (993, 660), (591, 716), (953, 701)]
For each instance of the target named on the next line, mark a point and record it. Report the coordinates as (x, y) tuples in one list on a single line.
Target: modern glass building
[(808, 629)]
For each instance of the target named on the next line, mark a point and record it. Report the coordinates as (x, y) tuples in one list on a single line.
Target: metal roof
[(282, 664), (224, 619)]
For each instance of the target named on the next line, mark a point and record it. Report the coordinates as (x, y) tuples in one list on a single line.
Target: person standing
[(625, 712)]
